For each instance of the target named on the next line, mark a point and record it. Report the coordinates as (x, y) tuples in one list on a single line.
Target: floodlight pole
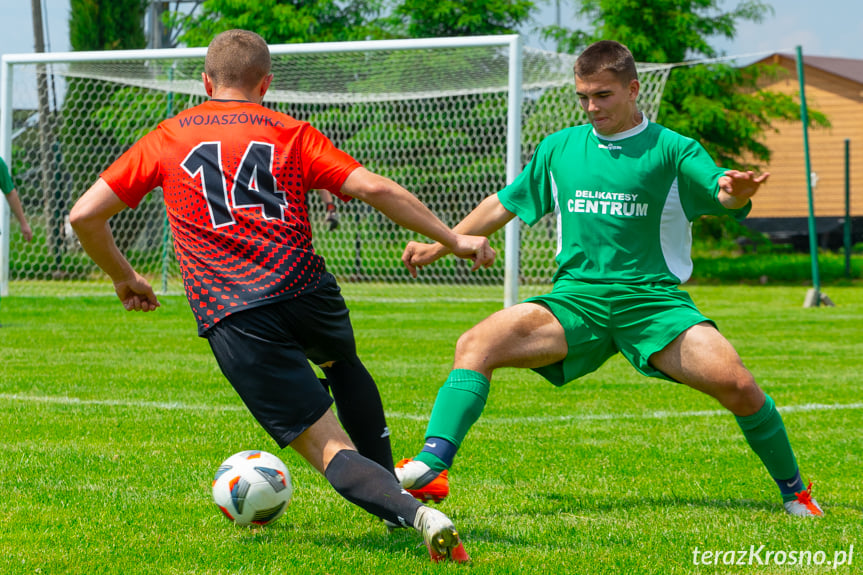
[(813, 296)]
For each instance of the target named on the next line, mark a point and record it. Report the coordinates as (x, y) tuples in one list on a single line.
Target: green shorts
[(600, 320)]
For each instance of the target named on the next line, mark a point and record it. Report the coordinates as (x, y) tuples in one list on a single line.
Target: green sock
[(458, 405), (765, 433)]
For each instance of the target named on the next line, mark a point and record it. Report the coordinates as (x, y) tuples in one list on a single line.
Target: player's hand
[(332, 219), (136, 294), (738, 187), (417, 255), (476, 249), (27, 232)]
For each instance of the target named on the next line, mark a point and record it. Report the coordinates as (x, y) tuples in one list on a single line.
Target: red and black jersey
[(235, 177)]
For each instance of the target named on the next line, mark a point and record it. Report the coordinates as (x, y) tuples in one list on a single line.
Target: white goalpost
[(451, 119)]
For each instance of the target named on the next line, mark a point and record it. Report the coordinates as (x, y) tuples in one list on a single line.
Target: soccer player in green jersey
[(7, 186), (624, 191)]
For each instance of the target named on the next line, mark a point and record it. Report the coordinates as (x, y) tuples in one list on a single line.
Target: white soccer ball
[(252, 488)]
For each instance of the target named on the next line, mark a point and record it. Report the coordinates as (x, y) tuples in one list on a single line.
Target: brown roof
[(845, 67)]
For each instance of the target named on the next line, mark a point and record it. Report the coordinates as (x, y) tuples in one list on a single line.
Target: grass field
[(112, 424)]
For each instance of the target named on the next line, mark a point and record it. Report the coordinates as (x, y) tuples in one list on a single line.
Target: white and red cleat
[(804, 505), (421, 481)]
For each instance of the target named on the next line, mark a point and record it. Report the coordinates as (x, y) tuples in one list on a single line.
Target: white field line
[(167, 405), (179, 406)]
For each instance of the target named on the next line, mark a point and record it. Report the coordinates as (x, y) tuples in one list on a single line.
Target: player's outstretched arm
[(89, 218), (406, 210), (18, 211), (736, 187), (488, 217)]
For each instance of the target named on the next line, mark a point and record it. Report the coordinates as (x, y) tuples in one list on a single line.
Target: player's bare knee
[(472, 348), (466, 344), (741, 394)]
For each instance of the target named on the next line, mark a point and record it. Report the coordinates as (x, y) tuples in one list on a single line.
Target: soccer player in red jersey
[(235, 176)]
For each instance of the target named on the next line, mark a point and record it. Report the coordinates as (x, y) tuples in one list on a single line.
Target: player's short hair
[(607, 55), (237, 59)]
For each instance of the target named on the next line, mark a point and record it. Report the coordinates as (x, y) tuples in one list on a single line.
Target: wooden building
[(834, 87)]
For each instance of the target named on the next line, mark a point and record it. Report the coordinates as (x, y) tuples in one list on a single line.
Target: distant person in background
[(332, 217), (8, 187)]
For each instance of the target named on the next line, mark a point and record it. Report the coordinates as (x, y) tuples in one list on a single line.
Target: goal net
[(453, 120)]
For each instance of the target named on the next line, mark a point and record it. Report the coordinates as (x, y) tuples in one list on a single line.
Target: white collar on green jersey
[(627, 134)]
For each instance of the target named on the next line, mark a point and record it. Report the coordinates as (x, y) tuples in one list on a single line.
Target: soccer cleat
[(422, 481), (440, 536), (804, 505), (457, 554)]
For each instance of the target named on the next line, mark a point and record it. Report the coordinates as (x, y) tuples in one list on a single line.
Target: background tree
[(281, 21), (446, 18), (107, 24), (290, 21)]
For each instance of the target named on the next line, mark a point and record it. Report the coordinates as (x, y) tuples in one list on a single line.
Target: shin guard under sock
[(458, 405), (765, 433)]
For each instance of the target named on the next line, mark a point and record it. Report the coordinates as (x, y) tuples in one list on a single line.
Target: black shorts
[(265, 351)]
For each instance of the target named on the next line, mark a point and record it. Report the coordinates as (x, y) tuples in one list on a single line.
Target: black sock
[(360, 410), (368, 485)]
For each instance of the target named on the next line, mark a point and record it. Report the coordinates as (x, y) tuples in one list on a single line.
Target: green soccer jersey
[(6, 183), (624, 203)]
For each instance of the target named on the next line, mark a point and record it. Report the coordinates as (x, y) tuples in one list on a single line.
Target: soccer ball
[(252, 488)]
